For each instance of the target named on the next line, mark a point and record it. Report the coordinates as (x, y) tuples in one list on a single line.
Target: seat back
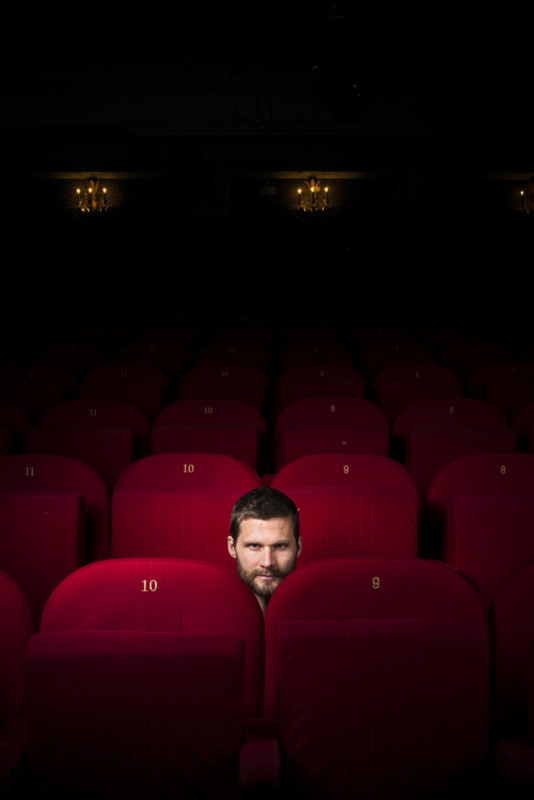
[(352, 505), (16, 628), (178, 505), (399, 386), (330, 424), (377, 675), (134, 715), (37, 472), (512, 636), (317, 380), (234, 381), (212, 425), (480, 474), (163, 595), (491, 537), (42, 539)]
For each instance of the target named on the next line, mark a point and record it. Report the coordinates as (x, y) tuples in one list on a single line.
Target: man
[(265, 540)]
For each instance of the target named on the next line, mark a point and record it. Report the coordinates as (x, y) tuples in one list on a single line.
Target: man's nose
[(267, 557)]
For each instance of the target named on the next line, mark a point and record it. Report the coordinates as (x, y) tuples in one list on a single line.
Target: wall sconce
[(527, 198), (313, 199), (92, 199)]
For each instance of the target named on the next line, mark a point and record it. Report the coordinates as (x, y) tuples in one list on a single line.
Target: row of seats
[(507, 385), (375, 678), (55, 513), (425, 435)]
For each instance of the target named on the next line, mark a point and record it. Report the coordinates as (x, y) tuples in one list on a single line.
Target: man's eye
[(282, 546)]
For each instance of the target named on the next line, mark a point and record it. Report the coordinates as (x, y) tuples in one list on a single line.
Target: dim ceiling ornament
[(92, 198), (312, 200)]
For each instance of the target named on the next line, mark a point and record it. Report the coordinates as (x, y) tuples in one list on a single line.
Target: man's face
[(266, 551)]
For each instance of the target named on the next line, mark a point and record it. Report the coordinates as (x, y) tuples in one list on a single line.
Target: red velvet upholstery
[(247, 384), (15, 425), (35, 388), (330, 424), (178, 504), (143, 386), (507, 385), (108, 435), (377, 674), (399, 386), (317, 380), (16, 628), (166, 595), (297, 354), (436, 431), (42, 539), (481, 474), (235, 351), (352, 505), (512, 633), (213, 425), (490, 537), (50, 473), (122, 714), (381, 355), (165, 355)]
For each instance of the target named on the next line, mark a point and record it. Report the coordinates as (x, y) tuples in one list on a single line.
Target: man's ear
[(299, 546), (231, 547)]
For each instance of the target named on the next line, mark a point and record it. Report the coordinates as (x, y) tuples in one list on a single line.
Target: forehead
[(266, 531)]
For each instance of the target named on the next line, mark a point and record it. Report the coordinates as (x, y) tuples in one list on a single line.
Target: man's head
[(264, 539)]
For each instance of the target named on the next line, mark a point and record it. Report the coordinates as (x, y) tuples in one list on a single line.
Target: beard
[(263, 589)]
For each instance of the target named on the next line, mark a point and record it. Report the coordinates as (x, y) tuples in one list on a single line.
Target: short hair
[(264, 503)]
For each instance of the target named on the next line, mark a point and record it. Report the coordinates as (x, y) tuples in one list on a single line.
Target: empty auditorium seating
[(14, 427), (508, 385), (40, 473), (16, 628), (141, 681), (481, 474), (213, 425), (42, 539), (435, 431), (246, 354), (352, 505), (163, 595), (377, 676), (330, 424), (106, 434), (490, 537), (512, 637), (35, 388), (234, 381), (523, 424), (381, 355), (179, 505), (143, 386), (466, 357), (399, 386), (314, 380), (164, 355), (299, 353), (78, 357)]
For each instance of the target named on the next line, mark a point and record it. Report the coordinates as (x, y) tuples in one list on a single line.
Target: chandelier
[(92, 199), (313, 199)]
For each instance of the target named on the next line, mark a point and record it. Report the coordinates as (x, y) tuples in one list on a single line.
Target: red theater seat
[(482, 474), (143, 386), (436, 431), (297, 354), (135, 715), (330, 424), (42, 539), (232, 381), (381, 355), (106, 434), (317, 380), (508, 385), (163, 595), (16, 628), (35, 388), (38, 473), (489, 538), (14, 424), (512, 635), (241, 353), (377, 677), (352, 505), (213, 425), (179, 505), (399, 386)]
